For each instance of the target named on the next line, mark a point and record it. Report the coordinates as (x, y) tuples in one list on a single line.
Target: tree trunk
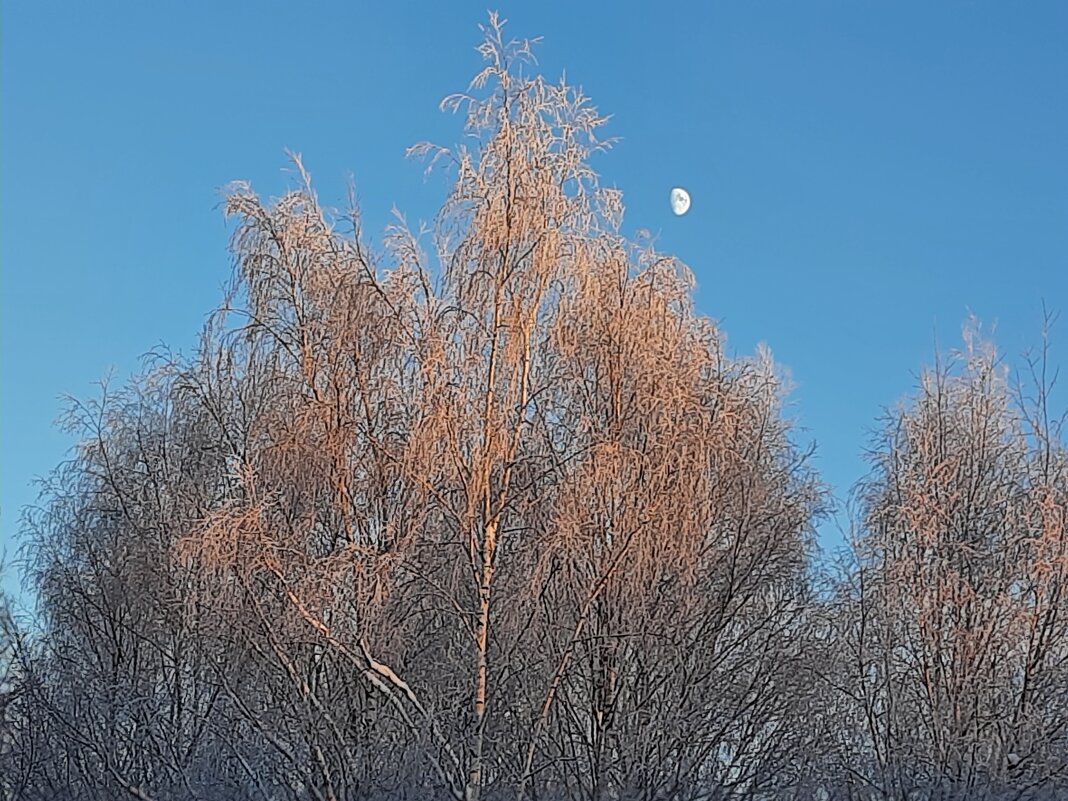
[(474, 779)]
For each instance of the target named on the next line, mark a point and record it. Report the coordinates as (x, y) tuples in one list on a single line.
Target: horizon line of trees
[(508, 522)]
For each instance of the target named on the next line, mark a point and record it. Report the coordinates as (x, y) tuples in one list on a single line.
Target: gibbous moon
[(680, 201)]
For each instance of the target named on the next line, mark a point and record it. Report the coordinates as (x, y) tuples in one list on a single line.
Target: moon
[(680, 201)]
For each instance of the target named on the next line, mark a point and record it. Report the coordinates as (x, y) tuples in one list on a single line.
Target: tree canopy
[(493, 513)]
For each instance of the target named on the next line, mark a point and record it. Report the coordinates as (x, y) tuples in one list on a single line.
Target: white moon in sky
[(680, 201)]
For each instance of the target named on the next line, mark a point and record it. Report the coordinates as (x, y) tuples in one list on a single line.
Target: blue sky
[(863, 174)]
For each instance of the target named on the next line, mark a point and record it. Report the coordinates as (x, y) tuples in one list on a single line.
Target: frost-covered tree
[(955, 621), (501, 521)]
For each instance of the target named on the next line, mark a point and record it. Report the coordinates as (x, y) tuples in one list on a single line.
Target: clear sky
[(863, 174)]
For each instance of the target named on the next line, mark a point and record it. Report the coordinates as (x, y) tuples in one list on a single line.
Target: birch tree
[(957, 633), (490, 512)]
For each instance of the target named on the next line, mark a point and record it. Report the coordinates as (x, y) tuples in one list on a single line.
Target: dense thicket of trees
[(509, 522)]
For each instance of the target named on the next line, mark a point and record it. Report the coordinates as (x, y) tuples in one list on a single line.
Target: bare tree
[(455, 460), (956, 633)]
